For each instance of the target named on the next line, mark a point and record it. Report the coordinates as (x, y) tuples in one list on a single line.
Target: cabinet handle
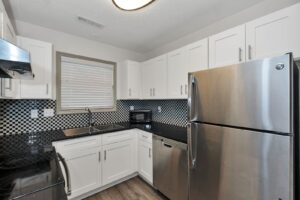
[(105, 155), (47, 88), (185, 89), (150, 92), (129, 91), (249, 52), (149, 152), (153, 91), (240, 54), (181, 89), (99, 156), (9, 85)]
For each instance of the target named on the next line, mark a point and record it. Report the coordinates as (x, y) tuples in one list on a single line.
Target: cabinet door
[(176, 74), (197, 56), (41, 63), (145, 161), (273, 34), (134, 80), (227, 48), (119, 161), (85, 170), (159, 77), (147, 79)]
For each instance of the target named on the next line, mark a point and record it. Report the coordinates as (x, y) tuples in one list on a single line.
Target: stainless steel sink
[(80, 131), (109, 127), (90, 130)]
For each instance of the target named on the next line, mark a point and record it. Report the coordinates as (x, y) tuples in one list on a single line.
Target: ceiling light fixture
[(130, 5)]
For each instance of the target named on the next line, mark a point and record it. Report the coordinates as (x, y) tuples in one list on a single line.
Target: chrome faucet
[(91, 121)]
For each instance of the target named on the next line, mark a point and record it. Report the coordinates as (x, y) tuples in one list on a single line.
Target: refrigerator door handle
[(191, 148), (191, 85)]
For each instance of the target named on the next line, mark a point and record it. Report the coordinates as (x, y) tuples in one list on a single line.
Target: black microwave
[(140, 116)]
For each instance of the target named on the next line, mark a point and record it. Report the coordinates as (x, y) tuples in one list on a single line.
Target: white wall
[(256, 11), (75, 45)]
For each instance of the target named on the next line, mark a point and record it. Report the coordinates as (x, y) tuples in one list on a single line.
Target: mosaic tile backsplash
[(15, 115)]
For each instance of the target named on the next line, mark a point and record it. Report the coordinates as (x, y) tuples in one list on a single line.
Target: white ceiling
[(140, 31)]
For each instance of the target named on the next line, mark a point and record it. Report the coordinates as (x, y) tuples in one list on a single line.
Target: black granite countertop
[(165, 130)]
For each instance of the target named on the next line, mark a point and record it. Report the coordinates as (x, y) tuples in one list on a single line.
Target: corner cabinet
[(227, 47), (130, 73), (41, 55), (274, 34), (154, 78)]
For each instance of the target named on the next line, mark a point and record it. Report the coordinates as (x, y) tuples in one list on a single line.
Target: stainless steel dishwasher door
[(170, 174)]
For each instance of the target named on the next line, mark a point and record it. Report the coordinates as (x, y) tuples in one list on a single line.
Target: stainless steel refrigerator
[(243, 121)]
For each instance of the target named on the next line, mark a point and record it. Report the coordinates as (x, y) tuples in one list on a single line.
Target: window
[(85, 82)]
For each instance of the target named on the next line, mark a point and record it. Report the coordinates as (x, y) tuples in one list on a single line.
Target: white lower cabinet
[(145, 161), (96, 161), (85, 171), (118, 161)]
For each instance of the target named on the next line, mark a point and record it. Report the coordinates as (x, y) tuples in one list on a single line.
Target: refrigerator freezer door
[(252, 95), (236, 164)]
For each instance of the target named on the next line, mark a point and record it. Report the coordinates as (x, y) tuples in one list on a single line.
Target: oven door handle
[(64, 163)]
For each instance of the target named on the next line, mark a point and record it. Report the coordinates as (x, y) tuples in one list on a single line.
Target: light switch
[(48, 112), (34, 114), (159, 109)]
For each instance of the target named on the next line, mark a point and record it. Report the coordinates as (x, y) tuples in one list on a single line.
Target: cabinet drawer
[(87, 142), (145, 136), (119, 136)]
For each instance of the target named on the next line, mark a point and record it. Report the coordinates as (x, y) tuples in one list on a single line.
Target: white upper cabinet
[(147, 84), (197, 56), (154, 78), (160, 77), (177, 74), (41, 63), (274, 34), (227, 48), (130, 79)]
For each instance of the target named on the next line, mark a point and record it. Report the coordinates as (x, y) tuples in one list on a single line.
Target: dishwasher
[(170, 168)]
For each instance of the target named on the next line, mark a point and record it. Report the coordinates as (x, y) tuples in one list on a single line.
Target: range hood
[(14, 62)]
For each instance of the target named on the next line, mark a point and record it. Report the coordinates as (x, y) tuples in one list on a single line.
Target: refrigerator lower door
[(235, 164)]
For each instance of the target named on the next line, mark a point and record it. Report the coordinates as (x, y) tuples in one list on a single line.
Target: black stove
[(31, 175)]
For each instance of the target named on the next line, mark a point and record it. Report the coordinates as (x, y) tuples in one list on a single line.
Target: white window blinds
[(86, 83)]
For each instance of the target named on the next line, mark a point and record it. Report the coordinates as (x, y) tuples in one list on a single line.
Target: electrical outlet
[(131, 107), (48, 112), (34, 114), (159, 109)]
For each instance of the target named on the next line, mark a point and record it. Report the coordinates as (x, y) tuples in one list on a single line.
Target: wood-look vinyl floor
[(133, 189)]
